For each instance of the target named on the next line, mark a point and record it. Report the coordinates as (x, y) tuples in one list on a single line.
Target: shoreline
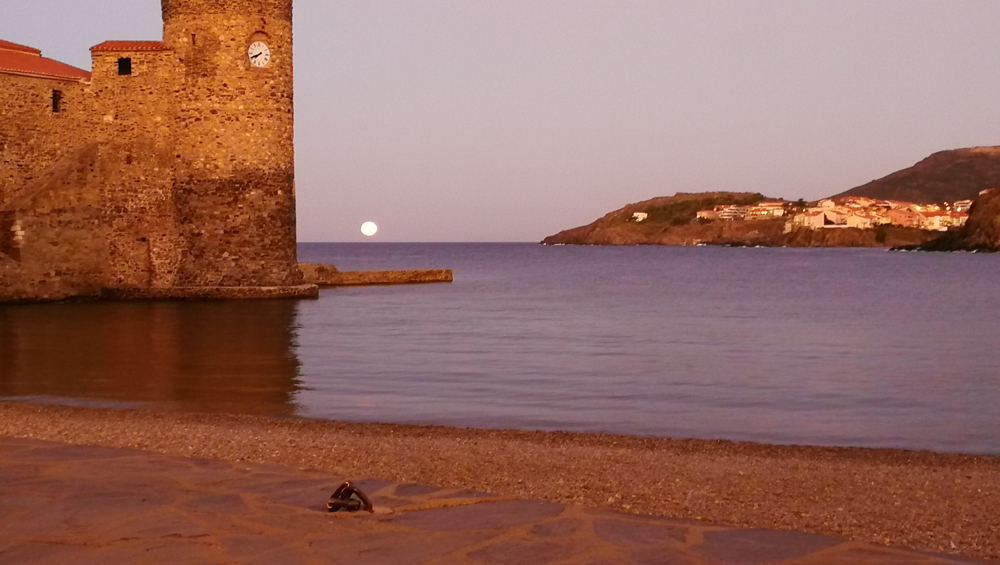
[(919, 499)]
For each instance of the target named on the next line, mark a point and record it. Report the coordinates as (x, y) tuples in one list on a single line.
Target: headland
[(915, 207)]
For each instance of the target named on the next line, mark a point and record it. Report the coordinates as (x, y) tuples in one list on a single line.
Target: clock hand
[(257, 55)]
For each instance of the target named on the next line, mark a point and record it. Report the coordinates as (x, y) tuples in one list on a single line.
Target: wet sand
[(930, 501)]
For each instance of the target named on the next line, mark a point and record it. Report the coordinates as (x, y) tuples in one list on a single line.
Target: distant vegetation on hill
[(946, 176), (671, 220), (680, 212)]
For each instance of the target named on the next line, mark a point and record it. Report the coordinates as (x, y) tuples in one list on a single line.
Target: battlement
[(273, 8)]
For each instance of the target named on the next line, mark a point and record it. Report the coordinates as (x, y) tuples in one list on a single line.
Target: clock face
[(260, 54)]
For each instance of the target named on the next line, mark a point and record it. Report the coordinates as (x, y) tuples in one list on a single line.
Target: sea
[(836, 347)]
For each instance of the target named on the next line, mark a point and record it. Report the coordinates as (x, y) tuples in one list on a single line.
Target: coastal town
[(847, 212), (944, 202)]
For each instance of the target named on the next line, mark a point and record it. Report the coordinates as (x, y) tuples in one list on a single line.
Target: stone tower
[(234, 186)]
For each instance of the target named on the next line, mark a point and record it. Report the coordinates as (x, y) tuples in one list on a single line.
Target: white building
[(962, 205), (733, 213)]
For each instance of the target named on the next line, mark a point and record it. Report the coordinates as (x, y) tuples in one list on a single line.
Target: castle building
[(167, 170)]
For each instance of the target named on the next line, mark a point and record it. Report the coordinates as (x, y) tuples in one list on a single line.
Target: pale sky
[(471, 120)]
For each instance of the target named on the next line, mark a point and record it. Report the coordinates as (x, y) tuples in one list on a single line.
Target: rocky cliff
[(981, 233)]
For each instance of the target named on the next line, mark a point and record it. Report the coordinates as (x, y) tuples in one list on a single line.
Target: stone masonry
[(169, 166)]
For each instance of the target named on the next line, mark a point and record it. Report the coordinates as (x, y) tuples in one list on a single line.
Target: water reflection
[(828, 347), (195, 356)]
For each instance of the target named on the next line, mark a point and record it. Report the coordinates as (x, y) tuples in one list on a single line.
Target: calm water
[(838, 347)]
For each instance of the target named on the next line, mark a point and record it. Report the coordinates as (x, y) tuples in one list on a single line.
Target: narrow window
[(194, 42), (124, 66), (56, 101), (8, 235)]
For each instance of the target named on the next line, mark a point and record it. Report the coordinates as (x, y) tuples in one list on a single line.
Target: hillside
[(672, 221), (946, 176), (665, 212), (981, 233)]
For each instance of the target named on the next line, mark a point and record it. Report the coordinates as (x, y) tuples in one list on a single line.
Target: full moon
[(369, 228)]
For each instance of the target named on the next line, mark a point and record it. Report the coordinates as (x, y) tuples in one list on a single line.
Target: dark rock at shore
[(883, 236), (981, 233)]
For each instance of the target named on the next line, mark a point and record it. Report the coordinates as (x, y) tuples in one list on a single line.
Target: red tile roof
[(130, 46), (21, 60), (7, 45)]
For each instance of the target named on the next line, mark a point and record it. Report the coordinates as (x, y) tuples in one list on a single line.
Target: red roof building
[(27, 61), (131, 46), (8, 46)]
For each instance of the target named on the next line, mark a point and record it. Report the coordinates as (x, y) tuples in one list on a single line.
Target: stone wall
[(180, 174), (132, 115), (131, 106), (281, 9), (32, 136), (212, 292), (60, 246), (235, 178), (328, 275)]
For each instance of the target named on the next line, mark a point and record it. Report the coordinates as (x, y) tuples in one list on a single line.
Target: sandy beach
[(922, 500)]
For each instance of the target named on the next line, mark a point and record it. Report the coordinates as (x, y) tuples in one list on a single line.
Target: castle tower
[(234, 175)]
